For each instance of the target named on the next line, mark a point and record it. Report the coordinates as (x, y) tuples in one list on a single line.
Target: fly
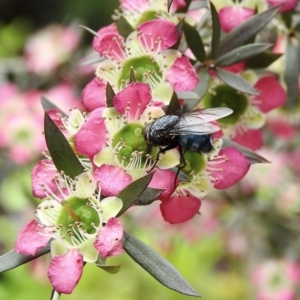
[(189, 131)]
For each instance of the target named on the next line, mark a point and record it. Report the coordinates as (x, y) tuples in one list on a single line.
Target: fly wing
[(196, 122)]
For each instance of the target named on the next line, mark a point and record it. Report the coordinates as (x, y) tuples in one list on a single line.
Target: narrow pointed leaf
[(169, 4), (252, 156), (291, 74), (179, 28), (124, 28), (194, 41), (95, 59), (47, 104), (89, 30), (109, 95), (156, 265), (149, 195), (204, 81), (216, 31), (110, 269), (60, 150), (262, 61), (174, 105), (54, 295), (13, 259), (236, 82), (133, 191), (241, 54), (241, 34)]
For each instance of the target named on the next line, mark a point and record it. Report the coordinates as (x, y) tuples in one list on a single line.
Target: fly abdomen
[(196, 143)]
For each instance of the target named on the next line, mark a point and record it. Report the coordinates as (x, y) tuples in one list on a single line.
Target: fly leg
[(161, 151), (181, 165)]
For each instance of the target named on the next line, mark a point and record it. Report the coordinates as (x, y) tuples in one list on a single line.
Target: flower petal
[(182, 75), (29, 240), (232, 16), (110, 239), (179, 209), (272, 94), (158, 34), (94, 95), (42, 176), (251, 139), (91, 137), (164, 179), (112, 179), (65, 271), (230, 170), (135, 97), (110, 207)]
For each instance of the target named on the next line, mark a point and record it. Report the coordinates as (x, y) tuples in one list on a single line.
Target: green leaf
[(216, 31), (124, 28), (174, 105), (47, 105), (262, 60), (60, 150), (179, 28), (148, 196), (291, 74), (204, 81), (156, 265), (241, 34), (133, 191), (110, 269), (109, 95), (236, 82), (252, 156), (287, 18), (194, 41), (13, 259), (241, 54), (89, 30)]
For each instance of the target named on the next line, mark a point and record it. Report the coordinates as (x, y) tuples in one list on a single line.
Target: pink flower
[(232, 16), (73, 222), (49, 48), (287, 5)]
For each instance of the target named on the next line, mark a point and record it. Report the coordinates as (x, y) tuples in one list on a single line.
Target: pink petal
[(287, 4), (65, 271), (29, 240), (179, 209), (136, 97), (164, 179), (109, 43), (272, 94), (91, 137), (236, 68), (112, 179), (283, 129), (229, 170), (94, 95), (158, 34), (251, 139), (135, 5), (110, 239), (43, 173), (232, 16), (182, 75)]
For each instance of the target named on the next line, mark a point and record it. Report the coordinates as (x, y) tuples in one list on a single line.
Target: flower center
[(226, 96), (142, 66), (76, 219), (195, 164), (130, 147)]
